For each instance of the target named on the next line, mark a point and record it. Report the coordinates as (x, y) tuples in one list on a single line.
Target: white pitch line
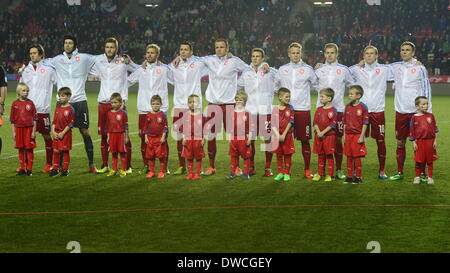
[(76, 144)]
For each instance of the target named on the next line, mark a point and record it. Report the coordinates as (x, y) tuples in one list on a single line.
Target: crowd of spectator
[(270, 24)]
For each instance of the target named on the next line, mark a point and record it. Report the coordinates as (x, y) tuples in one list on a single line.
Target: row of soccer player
[(195, 129), (70, 69)]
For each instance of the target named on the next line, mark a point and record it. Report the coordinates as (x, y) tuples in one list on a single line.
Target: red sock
[(358, 166), (381, 154), (234, 163), (143, 148), (30, 159), (212, 149), (49, 151), (268, 160), (287, 164), (430, 170), (401, 155), (129, 152), (198, 166), (321, 164), (418, 168), (280, 163), (22, 160), (104, 150), (114, 161), (306, 152), (247, 165), (190, 166), (151, 164), (162, 165), (338, 155), (56, 159), (330, 162), (123, 161), (66, 160), (181, 160), (349, 166)]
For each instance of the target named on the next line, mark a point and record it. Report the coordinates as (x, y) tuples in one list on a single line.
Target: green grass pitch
[(135, 214)]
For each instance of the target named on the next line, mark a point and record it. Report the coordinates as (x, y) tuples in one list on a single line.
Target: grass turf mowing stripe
[(228, 207)]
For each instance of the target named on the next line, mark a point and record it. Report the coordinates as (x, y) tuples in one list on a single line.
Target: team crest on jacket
[(429, 120), (413, 70), (28, 107), (330, 115), (378, 71), (119, 117), (159, 119), (358, 112), (66, 113), (338, 71), (42, 70), (301, 71), (117, 62), (261, 73), (192, 65), (158, 71), (287, 113), (225, 63), (77, 58), (199, 122)]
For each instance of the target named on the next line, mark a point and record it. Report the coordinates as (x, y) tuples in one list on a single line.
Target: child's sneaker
[(196, 177), (129, 170), (340, 174), (268, 173), (430, 181), (246, 176), (150, 174), (423, 178), (382, 176), (111, 173), (189, 176), (348, 180), (286, 178), (53, 172), (122, 173), (231, 176), (279, 177), (316, 177), (416, 180), (328, 178), (161, 175), (64, 173), (309, 174), (29, 173)]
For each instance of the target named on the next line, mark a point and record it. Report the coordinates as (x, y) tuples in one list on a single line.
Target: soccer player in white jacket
[(221, 92), (72, 69), (153, 80), (112, 70), (260, 88), (410, 81), (300, 78), (40, 78), (337, 77), (373, 77), (187, 77)]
